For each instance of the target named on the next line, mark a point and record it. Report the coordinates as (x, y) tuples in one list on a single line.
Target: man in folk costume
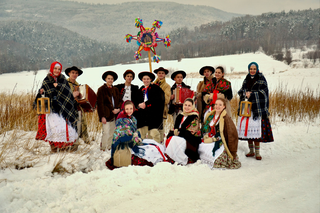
[(60, 128), (74, 73), (127, 90), (178, 77), (150, 112), (207, 72), (108, 104), (161, 82)]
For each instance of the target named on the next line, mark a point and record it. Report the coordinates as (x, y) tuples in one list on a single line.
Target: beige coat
[(200, 88), (84, 127), (167, 93)]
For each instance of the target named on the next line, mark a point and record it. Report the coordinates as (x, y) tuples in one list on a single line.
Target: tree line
[(32, 45)]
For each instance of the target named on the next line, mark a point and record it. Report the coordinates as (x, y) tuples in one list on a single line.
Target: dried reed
[(18, 122)]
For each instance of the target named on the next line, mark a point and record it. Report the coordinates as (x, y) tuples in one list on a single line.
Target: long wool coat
[(167, 94), (152, 115), (104, 102)]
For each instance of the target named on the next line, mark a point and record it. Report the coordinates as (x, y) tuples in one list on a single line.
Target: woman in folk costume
[(74, 73), (205, 71), (127, 137), (127, 90), (220, 139), (183, 143), (257, 128), (60, 125), (218, 87), (161, 82), (150, 111)]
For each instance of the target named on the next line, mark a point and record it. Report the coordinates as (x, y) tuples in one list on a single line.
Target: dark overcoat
[(152, 115)]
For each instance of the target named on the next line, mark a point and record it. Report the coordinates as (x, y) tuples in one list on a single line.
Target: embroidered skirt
[(259, 130), (59, 133)]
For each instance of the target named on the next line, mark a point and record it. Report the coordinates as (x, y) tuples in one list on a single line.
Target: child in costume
[(127, 136)]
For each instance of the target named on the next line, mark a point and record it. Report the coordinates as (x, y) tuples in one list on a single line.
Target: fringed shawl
[(61, 98), (259, 96)]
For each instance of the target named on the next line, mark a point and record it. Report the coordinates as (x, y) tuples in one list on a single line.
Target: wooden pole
[(149, 61)]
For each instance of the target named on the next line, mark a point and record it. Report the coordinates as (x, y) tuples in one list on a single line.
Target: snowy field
[(276, 73), (287, 179)]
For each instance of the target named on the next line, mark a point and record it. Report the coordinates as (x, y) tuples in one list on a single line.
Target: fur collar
[(75, 83), (159, 82)]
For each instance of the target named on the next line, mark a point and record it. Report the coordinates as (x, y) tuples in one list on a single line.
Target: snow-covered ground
[(285, 180), (276, 73)]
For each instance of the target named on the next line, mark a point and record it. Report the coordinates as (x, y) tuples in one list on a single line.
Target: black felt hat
[(150, 74), (201, 71), (115, 76), (127, 72), (68, 70), (161, 69), (178, 72)]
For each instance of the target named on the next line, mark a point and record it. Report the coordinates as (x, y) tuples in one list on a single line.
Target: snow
[(276, 73), (285, 180)]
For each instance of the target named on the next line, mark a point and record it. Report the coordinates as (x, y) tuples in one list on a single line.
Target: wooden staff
[(150, 61)]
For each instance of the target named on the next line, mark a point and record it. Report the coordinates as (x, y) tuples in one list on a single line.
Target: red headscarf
[(123, 113), (52, 67)]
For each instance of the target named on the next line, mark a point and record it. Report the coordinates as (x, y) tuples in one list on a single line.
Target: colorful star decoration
[(147, 39)]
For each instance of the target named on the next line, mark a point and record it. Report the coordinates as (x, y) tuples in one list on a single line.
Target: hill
[(104, 22), (31, 45)]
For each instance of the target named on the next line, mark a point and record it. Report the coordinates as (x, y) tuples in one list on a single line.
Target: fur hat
[(178, 72), (68, 70), (150, 74), (115, 76), (161, 69), (201, 71), (128, 72)]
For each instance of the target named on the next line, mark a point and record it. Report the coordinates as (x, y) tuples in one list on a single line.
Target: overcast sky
[(253, 7)]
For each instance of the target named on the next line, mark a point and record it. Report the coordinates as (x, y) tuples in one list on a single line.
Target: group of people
[(133, 118)]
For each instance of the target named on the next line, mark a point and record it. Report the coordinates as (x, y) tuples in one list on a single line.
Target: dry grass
[(18, 123), (17, 113), (289, 105)]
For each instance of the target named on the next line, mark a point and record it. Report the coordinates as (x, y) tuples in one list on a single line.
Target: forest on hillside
[(270, 31), (33, 45)]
